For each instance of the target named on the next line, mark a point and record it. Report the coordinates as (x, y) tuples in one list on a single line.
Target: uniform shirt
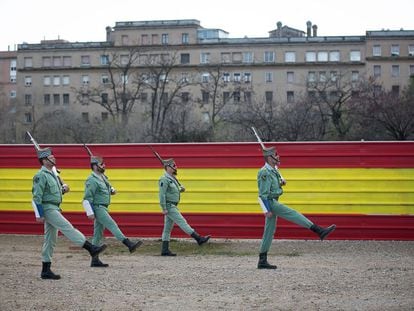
[(97, 190), (46, 188), (169, 190), (269, 183)]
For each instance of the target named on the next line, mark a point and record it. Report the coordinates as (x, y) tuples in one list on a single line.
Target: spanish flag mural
[(365, 188)]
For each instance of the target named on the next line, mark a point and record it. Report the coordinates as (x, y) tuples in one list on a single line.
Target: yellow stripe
[(325, 191)]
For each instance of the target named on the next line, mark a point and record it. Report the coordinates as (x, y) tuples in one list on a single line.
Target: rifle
[(55, 171), (263, 147)]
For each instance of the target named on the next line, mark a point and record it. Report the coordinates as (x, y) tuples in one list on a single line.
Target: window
[(56, 80), (185, 77), (105, 79), (226, 77), (104, 98), (204, 58), (269, 57), (205, 77), (28, 81), (124, 59), (85, 99), (28, 117), (411, 70), (85, 79), (124, 78), (125, 39), (395, 89), (395, 50), (104, 116), (66, 80), (322, 76), (46, 99), (290, 57), (85, 60), (355, 56), (334, 56), (354, 76), (185, 97), (377, 70), (144, 39), (290, 96), (311, 76), (66, 99), (411, 50), (322, 56), (268, 77), (104, 60), (205, 97), (226, 97), (225, 58), (237, 57), (269, 96), (28, 62), (248, 97), (310, 56), (185, 58), (13, 94), (67, 61), (236, 77), (56, 99), (28, 99), (154, 39), (46, 80), (247, 57), (164, 38), (57, 61), (376, 50), (85, 117), (395, 71), (247, 77), (46, 62), (143, 97), (185, 38), (334, 76), (236, 97), (290, 77)]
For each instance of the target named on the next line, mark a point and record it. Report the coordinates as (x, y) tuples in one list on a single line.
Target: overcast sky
[(85, 20)]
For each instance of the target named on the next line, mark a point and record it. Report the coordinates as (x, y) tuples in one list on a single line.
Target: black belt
[(104, 205), (53, 203), (173, 203)]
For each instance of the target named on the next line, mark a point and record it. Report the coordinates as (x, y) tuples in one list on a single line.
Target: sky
[(85, 20)]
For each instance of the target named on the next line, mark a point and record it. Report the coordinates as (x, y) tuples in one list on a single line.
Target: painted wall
[(366, 188)]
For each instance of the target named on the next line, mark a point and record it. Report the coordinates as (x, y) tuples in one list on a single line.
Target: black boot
[(165, 251), (200, 239), (132, 246), (263, 264), (322, 232), (96, 262), (92, 249), (47, 273)]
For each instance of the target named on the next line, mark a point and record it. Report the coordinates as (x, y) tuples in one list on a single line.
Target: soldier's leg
[(175, 215), (49, 242), (98, 230), (166, 235), (292, 215), (104, 219), (268, 234)]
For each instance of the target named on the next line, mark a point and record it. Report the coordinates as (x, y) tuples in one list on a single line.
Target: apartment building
[(52, 74)]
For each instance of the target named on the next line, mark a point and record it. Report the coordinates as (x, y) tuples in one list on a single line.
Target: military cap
[(44, 153), (270, 151), (168, 162), (96, 160)]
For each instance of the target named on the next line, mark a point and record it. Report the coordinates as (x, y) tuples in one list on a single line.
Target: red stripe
[(217, 155), (349, 227)]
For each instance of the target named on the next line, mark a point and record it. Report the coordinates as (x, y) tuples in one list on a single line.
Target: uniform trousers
[(285, 212), (104, 220), (54, 222), (174, 216)]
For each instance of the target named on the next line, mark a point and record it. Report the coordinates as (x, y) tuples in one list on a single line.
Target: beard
[(175, 172), (101, 169)]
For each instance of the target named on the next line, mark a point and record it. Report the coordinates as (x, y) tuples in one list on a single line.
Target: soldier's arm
[(39, 183), (264, 182), (163, 186), (87, 203)]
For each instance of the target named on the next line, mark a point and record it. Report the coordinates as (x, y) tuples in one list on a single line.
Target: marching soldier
[(96, 200), (270, 185), (47, 197), (169, 196)]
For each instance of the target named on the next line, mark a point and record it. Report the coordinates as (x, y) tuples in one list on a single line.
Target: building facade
[(57, 74)]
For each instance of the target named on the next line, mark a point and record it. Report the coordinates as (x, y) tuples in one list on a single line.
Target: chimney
[(279, 25), (315, 30), (108, 33), (308, 28)]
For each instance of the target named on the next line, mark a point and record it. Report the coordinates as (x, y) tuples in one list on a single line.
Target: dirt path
[(311, 275)]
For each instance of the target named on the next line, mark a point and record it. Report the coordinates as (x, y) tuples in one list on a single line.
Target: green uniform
[(47, 197), (169, 195), (269, 183), (98, 194)]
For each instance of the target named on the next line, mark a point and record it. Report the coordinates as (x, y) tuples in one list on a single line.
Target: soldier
[(96, 200), (47, 197), (169, 195), (270, 185)]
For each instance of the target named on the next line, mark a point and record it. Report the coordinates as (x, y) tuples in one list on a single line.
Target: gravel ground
[(222, 275)]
